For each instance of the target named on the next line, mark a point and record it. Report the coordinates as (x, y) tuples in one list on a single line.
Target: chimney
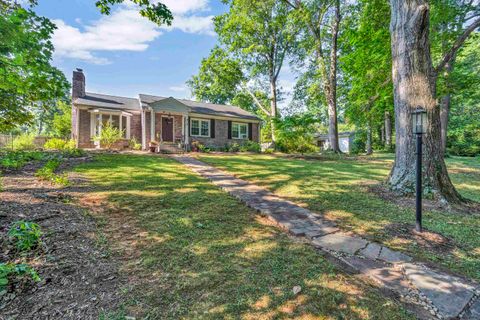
[(78, 84)]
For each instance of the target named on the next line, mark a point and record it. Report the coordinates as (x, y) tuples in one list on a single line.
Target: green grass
[(193, 252), (337, 187)]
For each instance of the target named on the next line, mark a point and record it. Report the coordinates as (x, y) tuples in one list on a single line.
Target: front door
[(167, 129)]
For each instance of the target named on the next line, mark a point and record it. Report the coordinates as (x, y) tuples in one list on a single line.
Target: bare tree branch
[(457, 45), (255, 99)]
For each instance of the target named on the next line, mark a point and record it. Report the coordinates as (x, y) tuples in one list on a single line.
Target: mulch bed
[(80, 279)]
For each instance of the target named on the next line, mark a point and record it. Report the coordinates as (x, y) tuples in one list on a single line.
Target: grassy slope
[(337, 189), (203, 254)]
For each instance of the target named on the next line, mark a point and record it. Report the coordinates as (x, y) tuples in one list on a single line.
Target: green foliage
[(25, 234), (62, 120), (55, 144), (108, 136), (29, 82), (359, 142), (250, 146), (464, 123), (134, 144), (18, 271), (295, 134), (156, 12), (218, 78), (367, 63), (47, 172), (17, 159), (24, 141)]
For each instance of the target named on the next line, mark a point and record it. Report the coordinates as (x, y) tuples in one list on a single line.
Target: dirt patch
[(382, 191), (80, 279), (431, 241)]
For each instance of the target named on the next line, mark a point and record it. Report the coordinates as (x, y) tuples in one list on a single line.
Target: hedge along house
[(173, 123)]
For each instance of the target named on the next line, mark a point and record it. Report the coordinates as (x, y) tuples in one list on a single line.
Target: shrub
[(203, 148), (133, 144), (25, 234), (17, 159), (55, 144), (294, 143), (234, 147), (9, 270), (73, 153), (268, 151), (24, 142), (47, 172), (250, 146), (359, 144), (108, 136)]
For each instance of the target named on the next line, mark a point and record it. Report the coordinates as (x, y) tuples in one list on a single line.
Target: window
[(100, 120), (200, 128), (239, 131)]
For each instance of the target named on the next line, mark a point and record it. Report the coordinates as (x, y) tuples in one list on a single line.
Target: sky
[(126, 54)]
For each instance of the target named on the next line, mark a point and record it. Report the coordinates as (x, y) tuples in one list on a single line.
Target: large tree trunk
[(445, 105), (388, 130), (331, 88), (414, 85)]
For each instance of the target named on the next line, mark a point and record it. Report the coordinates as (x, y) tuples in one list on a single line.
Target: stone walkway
[(443, 295)]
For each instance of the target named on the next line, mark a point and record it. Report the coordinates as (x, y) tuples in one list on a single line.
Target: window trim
[(240, 124), (200, 127)]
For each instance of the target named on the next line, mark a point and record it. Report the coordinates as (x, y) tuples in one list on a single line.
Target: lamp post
[(419, 127)]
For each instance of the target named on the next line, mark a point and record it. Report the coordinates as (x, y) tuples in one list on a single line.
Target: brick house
[(170, 122)]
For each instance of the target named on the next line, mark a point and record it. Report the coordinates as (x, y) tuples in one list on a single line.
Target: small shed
[(345, 141)]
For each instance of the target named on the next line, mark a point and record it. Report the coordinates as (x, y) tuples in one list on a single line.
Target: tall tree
[(258, 33), (448, 19), (366, 64), (321, 23), (414, 80), (219, 78), (29, 81)]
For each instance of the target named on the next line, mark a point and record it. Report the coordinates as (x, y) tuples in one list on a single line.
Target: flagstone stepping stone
[(393, 256), (449, 294), (372, 251), (340, 242), (474, 311), (382, 274)]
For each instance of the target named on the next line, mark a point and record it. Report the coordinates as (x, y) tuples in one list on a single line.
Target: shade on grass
[(192, 251), (338, 189)]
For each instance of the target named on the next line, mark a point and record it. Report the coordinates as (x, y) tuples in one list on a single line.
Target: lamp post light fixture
[(419, 127)]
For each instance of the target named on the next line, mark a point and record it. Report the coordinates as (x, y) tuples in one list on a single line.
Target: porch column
[(186, 129), (152, 125), (144, 138)]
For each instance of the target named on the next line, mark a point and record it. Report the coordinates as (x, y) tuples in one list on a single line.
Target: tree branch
[(458, 43), (257, 102)]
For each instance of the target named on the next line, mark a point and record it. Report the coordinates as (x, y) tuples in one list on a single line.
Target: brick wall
[(136, 127), (177, 126), (84, 139), (221, 135)]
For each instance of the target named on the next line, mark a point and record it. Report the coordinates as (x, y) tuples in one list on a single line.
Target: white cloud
[(126, 30), (193, 24), (181, 7), (180, 88)]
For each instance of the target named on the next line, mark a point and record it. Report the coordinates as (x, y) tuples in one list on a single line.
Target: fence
[(6, 141)]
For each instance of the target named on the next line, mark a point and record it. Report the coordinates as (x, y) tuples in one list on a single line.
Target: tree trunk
[(331, 88), (369, 140), (414, 85), (273, 108), (388, 130), (445, 105), (382, 135)]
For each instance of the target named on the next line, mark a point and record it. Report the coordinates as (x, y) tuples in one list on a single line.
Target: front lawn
[(339, 188), (193, 252)]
